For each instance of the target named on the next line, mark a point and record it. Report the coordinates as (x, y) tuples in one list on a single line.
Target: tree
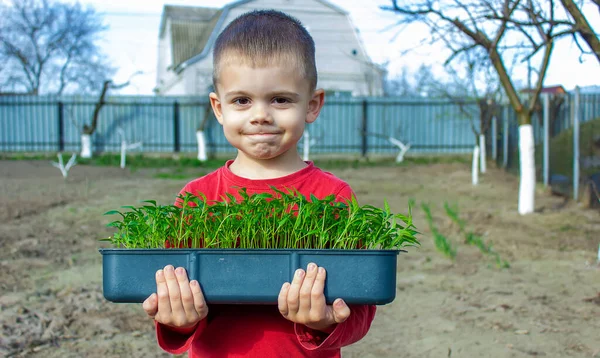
[(473, 80), (485, 26), (575, 23), (582, 27), (51, 47), (89, 129), (421, 83)]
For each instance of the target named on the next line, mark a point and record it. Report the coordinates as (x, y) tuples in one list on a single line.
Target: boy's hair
[(265, 37)]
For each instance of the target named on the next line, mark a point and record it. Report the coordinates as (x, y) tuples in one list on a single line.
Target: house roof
[(190, 30), (195, 29), (551, 89)]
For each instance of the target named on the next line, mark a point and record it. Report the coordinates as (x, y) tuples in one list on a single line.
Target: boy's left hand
[(303, 301)]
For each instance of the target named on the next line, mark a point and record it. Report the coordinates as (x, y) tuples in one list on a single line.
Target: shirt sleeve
[(173, 341), (350, 331), (344, 194)]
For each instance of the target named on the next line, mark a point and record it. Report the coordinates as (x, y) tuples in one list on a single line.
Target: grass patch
[(174, 176), (141, 160), (354, 163)]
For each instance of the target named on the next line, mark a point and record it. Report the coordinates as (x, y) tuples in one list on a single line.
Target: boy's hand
[(177, 302), (303, 301)]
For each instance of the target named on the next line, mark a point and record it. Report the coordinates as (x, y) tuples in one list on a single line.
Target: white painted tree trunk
[(123, 154), (60, 164), (124, 148), (86, 146), (482, 157), (401, 146), (475, 166), (306, 146), (527, 159), (201, 146)]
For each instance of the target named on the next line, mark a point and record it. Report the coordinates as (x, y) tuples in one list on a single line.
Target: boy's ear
[(215, 103), (315, 104)]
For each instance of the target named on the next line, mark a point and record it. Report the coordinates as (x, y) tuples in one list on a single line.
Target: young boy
[(264, 80)]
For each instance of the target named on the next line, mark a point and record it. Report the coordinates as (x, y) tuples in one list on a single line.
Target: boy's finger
[(282, 299), (187, 298), (150, 305), (341, 311), (162, 292), (174, 291), (199, 301), (307, 286), (294, 291), (317, 297)]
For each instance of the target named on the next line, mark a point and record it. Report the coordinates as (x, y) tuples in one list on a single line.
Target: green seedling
[(473, 239), (441, 242), (278, 220)]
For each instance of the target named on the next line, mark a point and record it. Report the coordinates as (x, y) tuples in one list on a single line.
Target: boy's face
[(263, 110)]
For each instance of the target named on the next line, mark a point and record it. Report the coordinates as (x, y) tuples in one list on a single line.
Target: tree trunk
[(200, 137), (201, 145), (527, 165), (475, 166), (306, 146), (482, 153), (86, 145)]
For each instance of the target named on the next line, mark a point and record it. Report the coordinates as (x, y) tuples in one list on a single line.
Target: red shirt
[(259, 330)]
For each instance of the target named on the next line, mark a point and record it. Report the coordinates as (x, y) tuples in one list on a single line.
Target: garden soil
[(546, 304)]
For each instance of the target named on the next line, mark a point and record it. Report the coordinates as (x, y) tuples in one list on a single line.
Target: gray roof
[(195, 29), (191, 28)]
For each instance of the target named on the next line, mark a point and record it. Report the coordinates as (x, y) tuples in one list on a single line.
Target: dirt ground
[(546, 304)]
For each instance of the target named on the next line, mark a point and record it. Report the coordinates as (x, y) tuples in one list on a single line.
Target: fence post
[(176, 138), (546, 160), (576, 145), (364, 128), (61, 127), (505, 138)]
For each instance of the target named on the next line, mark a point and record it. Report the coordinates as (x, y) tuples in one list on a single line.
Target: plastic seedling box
[(252, 276)]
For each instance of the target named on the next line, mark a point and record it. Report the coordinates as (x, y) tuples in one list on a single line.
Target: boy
[(264, 79)]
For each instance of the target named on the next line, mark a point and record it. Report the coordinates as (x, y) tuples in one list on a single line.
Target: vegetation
[(278, 220), (441, 242), (473, 239)]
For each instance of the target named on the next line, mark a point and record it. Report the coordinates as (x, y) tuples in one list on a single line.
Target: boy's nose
[(261, 115)]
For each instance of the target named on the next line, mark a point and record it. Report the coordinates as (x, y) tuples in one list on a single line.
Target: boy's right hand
[(177, 302)]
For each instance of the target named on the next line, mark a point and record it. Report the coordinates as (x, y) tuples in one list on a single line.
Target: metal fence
[(168, 124), (567, 142)]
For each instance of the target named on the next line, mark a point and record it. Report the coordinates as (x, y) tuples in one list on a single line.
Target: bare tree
[(48, 46), (582, 27), (471, 25), (89, 129), (575, 23)]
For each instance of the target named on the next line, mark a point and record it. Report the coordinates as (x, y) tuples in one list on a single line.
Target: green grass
[(442, 244), (189, 160), (378, 161)]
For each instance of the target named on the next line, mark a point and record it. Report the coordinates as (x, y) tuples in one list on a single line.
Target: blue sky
[(132, 41)]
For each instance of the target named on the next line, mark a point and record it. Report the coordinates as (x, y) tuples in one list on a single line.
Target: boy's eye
[(241, 101), (281, 100)]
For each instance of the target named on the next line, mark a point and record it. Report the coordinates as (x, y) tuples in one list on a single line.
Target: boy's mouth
[(257, 133)]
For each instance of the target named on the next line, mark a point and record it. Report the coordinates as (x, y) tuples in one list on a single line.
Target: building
[(187, 35)]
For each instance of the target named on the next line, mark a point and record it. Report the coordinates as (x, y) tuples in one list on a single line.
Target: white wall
[(335, 40)]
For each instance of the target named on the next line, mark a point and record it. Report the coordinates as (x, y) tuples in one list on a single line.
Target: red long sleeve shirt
[(259, 330)]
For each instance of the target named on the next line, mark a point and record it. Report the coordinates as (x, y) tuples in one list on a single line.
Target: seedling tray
[(251, 276)]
